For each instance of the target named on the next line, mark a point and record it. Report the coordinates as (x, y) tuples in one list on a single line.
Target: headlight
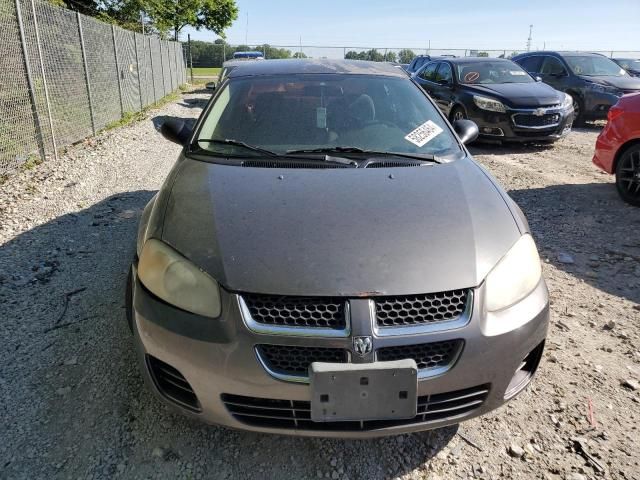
[(567, 102), (515, 275), (177, 281), (486, 103)]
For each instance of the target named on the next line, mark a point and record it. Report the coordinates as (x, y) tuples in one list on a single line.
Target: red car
[(618, 147)]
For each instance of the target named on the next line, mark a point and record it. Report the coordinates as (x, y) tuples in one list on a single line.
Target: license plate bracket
[(344, 392)]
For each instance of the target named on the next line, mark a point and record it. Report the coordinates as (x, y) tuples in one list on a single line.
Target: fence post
[(153, 75), (86, 72), (115, 52), (190, 57), (32, 92), (135, 44), (44, 79), (164, 86)]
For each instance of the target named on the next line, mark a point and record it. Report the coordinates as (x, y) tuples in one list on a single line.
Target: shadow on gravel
[(591, 224), (194, 102), (486, 148), (67, 352)]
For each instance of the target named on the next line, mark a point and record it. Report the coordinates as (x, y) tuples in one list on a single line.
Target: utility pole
[(529, 39), (246, 32)]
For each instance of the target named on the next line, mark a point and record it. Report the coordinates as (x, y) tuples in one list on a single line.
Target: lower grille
[(296, 415), (172, 385), (426, 355), (295, 361), (527, 120)]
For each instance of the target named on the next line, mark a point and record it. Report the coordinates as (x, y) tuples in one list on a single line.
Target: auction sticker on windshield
[(424, 133)]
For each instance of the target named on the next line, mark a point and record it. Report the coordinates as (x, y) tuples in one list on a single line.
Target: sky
[(492, 24)]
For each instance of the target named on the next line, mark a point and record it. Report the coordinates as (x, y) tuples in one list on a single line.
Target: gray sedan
[(326, 258)]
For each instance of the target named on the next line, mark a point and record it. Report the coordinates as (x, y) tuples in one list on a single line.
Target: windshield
[(294, 112), (492, 73), (629, 63), (594, 66)]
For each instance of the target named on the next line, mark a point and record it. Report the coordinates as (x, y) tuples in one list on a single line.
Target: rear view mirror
[(211, 86), (467, 130), (176, 131)]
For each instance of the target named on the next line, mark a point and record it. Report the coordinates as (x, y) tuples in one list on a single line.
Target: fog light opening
[(494, 131), (525, 372)]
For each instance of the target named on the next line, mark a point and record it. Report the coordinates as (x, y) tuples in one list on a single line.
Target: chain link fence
[(205, 54), (65, 76)]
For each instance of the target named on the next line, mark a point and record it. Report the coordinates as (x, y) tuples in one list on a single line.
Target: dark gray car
[(594, 81), (326, 258)]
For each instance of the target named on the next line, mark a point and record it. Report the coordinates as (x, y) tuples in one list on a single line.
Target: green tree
[(406, 55), (170, 15), (299, 55), (483, 54), (390, 57)]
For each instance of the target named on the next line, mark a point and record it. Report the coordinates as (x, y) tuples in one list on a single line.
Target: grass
[(31, 162), (205, 72), (132, 117)]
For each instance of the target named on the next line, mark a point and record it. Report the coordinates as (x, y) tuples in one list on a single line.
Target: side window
[(552, 66), (444, 73), (429, 72), (531, 64)]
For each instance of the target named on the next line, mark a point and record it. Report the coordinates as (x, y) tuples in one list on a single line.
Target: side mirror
[(211, 86), (538, 79), (176, 131), (467, 130)]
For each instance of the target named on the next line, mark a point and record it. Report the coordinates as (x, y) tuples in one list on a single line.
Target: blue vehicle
[(249, 55)]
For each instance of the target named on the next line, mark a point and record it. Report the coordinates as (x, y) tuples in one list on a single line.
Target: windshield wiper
[(426, 157), (275, 155), (237, 143)]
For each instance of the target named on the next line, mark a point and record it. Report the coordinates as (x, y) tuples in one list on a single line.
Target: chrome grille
[(287, 360), (420, 309), (294, 414), (426, 355), (309, 312)]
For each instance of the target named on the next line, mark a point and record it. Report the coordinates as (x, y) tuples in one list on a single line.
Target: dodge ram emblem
[(362, 345)]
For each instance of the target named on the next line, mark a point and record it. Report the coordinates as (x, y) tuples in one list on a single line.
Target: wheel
[(457, 113), (128, 299), (578, 116), (628, 175)]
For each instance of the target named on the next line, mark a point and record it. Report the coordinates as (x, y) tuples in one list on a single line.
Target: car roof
[(311, 66), (562, 53), (462, 60)]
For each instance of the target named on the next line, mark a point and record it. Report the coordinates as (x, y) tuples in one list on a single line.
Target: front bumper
[(218, 360), (597, 105), (513, 126)]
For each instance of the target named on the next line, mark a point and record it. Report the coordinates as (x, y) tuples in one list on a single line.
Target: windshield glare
[(281, 113), (492, 73), (594, 66)]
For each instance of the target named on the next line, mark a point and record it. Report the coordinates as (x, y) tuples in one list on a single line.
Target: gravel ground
[(74, 404)]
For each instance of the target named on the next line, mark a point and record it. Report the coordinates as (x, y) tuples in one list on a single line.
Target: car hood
[(520, 95), (623, 83), (348, 232)]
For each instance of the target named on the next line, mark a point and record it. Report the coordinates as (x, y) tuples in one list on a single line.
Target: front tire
[(578, 110), (128, 299), (628, 176)]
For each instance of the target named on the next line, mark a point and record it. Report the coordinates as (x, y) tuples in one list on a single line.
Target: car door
[(442, 90), (532, 64), (426, 76), (554, 73)]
